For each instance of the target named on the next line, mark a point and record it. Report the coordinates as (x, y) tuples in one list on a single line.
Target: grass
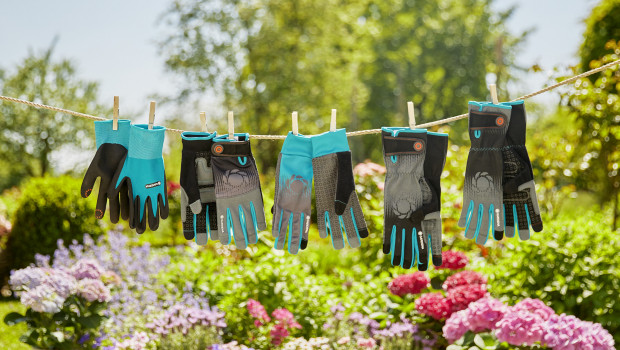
[(9, 335)]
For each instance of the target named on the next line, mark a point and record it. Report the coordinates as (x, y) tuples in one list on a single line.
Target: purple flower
[(570, 333), (485, 313), (535, 306), (456, 326), (42, 289), (93, 289), (42, 299), (520, 327), (86, 268)]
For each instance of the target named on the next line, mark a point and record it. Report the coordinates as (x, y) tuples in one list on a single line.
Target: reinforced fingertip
[(537, 227), (437, 260), (304, 244), (498, 235), (363, 233), (423, 266), (339, 206)]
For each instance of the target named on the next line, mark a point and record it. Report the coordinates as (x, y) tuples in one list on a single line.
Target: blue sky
[(113, 42)]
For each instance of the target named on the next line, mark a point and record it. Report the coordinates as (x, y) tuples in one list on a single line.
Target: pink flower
[(485, 313), (91, 290), (460, 297), (454, 260), (434, 305), (257, 310), (520, 327), (278, 333), (369, 343), (412, 283), (368, 168), (344, 340), (463, 278), (456, 326), (285, 317), (535, 306)]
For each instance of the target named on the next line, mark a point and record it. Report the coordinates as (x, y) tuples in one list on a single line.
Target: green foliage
[(10, 334), (50, 208), (196, 338), (573, 265), (30, 136), (602, 25), (269, 57), (484, 341)]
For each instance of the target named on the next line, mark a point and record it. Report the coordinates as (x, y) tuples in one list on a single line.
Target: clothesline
[(349, 134)]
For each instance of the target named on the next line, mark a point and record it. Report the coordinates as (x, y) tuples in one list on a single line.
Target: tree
[(267, 58), (29, 136), (602, 25)]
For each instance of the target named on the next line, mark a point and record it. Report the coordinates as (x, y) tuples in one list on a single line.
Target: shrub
[(573, 265), (49, 209)]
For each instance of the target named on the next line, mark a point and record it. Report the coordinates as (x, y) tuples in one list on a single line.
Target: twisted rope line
[(352, 133)]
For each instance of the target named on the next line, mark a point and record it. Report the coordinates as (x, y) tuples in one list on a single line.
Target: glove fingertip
[(498, 235), (423, 267), (339, 207), (537, 227), (304, 244), (363, 233), (437, 260)]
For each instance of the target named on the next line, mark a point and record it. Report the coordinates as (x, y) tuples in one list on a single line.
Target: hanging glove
[(111, 149), (142, 171), (404, 152), (520, 200), (292, 200), (238, 195), (198, 212), (434, 161), (482, 191), (337, 205)]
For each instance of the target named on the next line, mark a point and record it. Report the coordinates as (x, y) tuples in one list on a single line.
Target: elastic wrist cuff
[(297, 145), (105, 134), (329, 142), (145, 143)]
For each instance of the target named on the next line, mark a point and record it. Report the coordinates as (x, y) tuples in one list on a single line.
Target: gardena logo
[(154, 184), (420, 240), (497, 216), (222, 223)]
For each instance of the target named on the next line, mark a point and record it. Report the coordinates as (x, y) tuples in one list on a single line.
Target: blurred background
[(264, 59)]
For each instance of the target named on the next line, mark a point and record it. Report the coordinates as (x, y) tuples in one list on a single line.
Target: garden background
[(263, 59)]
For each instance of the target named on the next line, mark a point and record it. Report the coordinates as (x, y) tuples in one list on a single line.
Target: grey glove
[(238, 194)]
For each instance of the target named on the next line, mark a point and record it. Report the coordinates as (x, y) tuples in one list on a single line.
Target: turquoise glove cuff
[(329, 142), (105, 134), (297, 145), (145, 143)]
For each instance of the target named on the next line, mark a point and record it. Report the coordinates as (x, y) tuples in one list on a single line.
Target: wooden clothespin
[(493, 89), (231, 125), (332, 123), (152, 115), (203, 122), (411, 113), (295, 126), (115, 114)]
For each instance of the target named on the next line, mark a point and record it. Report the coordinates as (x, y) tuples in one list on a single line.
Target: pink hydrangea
[(461, 296), (564, 332), (412, 283), (456, 326), (485, 313), (535, 306), (520, 327), (463, 278), (86, 268), (454, 260), (257, 310), (93, 290), (278, 333), (434, 305), (368, 168)]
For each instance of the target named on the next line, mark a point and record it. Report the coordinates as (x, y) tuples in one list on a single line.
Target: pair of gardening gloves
[(414, 160), (499, 193), (221, 197), (131, 167), (326, 159)]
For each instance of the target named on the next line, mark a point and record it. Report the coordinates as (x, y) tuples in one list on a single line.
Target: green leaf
[(15, 318), (92, 321), (378, 315), (454, 347), (478, 340)]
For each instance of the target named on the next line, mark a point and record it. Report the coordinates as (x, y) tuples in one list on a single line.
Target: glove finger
[(497, 220), (151, 211), (431, 226), (484, 225), (102, 199), (408, 250), (397, 248), (212, 229), (115, 209), (189, 223), (422, 243), (125, 202), (345, 185), (510, 231), (470, 220), (89, 181), (534, 218), (294, 234), (139, 216), (322, 224), (305, 229), (335, 231), (234, 218), (255, 198), (201, 225), (351, 229), (282, 226), (250, 223), (162, 203), (510, 213)]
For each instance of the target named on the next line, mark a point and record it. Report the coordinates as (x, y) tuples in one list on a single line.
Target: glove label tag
[(154, 184)]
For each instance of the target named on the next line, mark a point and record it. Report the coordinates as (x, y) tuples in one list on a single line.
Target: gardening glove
[(111, 149), (520, 202), (404, 153), (434, 161), (198, 212), (238, 195), (482, 191), (142, 171), (337, 205), (292, 199)]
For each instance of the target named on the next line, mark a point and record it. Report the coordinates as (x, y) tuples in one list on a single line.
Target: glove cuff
[(329, 142), (224, 147), (105, 134), (145, 143), (400, 141), (297, 145), (197, 141)]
